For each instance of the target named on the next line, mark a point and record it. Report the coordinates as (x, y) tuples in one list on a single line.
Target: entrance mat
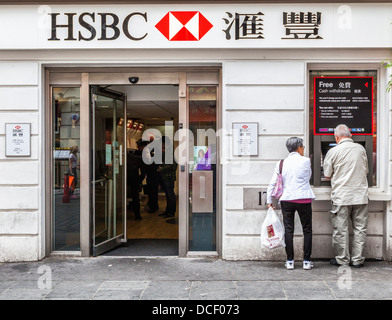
[(146, 247)]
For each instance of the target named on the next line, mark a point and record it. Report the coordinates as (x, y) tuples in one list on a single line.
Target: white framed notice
[(18, 139), (245, 139)]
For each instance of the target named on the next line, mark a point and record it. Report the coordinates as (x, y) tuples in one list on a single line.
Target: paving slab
[(74, 290), (307, 290), (214, 290), (260, 290), (167, 290)]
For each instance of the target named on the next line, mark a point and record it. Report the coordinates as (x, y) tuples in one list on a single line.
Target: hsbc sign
[(175, 26), (184, 26), (167, 26)]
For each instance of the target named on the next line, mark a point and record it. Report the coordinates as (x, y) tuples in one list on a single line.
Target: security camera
[(133, 79)]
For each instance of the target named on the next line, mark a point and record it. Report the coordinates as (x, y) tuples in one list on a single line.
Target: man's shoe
[(307, 265), (289, 264), (335, 263), (360, 265)]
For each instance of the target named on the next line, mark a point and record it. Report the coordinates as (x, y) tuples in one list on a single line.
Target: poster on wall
[(18, 139), (202, 157), (108, 155), (245, 139), (343, 100)]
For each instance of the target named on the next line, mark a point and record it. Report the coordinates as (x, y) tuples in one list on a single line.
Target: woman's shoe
[(307, 265), (289, 264)]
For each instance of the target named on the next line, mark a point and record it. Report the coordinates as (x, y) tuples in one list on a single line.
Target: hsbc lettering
[(177, 26), (110, 27)]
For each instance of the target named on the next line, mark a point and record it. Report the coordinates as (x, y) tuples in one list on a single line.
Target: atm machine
[(321, 145), (341, 100)]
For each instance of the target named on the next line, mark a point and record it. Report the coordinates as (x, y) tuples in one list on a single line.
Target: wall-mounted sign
[(171, 25), (17, 139), (61, 154), (256, 199), (108, 154), (343, 100), (245, 139)]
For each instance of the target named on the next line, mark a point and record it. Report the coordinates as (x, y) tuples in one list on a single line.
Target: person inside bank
[(297, 196), (167, 177), (73, 167), (134, 180), (346, 166)]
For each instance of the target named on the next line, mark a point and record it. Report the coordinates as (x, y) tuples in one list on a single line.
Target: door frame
[(84, 77)]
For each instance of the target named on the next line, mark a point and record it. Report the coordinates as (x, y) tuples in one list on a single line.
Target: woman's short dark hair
[(293, 143)]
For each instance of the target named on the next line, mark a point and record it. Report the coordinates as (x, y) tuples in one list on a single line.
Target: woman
[(73, 165), (297, 196)]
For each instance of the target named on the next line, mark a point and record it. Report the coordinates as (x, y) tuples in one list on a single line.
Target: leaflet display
[(343, 100)]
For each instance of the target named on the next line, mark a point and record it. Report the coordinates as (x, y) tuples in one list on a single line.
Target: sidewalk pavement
[(173, 278)]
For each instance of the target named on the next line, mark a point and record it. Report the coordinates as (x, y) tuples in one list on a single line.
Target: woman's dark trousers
[(305, 214)]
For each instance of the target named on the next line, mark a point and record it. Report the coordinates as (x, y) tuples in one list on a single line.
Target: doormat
[(146, 247)]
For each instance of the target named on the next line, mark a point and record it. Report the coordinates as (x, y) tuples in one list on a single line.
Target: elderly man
[(346, 165)]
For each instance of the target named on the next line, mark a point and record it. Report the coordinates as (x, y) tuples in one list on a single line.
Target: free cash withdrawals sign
[(347, 100)]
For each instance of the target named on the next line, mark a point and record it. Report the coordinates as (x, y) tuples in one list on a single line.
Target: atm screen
[(325, 146)]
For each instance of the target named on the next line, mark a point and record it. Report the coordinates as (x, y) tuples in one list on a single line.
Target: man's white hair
[(342, 131)]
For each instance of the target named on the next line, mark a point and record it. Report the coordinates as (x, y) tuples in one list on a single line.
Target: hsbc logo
[(88, 26), (184, 26)]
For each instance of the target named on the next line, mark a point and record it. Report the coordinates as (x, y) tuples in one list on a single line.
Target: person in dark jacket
[(149, 169), (134, 163), (167, 178)]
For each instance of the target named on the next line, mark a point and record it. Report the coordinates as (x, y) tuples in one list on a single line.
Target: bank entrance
[(133, 162)]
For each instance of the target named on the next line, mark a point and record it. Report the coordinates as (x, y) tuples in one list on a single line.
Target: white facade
[(265, 85)]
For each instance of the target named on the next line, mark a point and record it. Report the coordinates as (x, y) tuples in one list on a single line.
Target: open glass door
[(109, 169)]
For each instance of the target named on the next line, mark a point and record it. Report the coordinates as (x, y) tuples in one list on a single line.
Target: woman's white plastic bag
[(272, 231)]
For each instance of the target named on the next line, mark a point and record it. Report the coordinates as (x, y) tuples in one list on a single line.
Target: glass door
[(202, 124), (65, 157), (109, 169)]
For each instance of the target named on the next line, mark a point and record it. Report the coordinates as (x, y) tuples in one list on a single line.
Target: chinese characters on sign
[(302, 25), (246, 26), (245, 137), (298, 25), (346, 100), (17, 139)]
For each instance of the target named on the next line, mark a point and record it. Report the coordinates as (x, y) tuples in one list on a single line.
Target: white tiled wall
[(20, 176)]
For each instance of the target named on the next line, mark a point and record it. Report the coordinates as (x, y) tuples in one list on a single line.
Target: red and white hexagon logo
[(184, 26)]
